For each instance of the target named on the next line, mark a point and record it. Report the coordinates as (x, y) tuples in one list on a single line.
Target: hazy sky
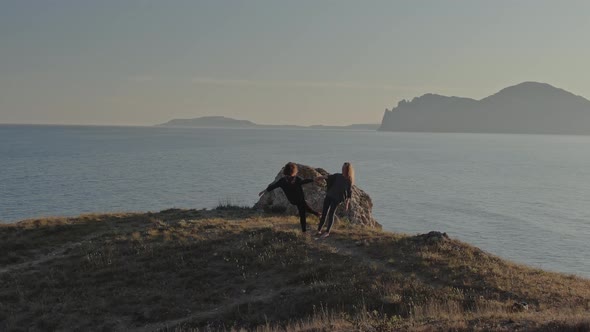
[(297, 62)]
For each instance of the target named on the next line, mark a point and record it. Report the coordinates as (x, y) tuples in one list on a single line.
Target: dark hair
[(290, 169)]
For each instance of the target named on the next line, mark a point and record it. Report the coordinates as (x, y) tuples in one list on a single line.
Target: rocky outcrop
[(432, 237), (359, 213)]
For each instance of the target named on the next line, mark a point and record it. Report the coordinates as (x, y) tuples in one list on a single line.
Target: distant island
[(225, 122), (526, 108)]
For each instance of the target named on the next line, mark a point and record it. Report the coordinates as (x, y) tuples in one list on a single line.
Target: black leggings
[(328, 210), (303, 207)]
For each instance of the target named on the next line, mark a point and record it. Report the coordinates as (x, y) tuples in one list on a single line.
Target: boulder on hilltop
[(359, 213)]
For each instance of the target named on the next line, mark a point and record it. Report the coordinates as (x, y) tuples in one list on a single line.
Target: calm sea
[(522, 197)]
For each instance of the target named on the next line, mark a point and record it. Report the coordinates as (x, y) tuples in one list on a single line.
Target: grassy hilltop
[(232, 269)]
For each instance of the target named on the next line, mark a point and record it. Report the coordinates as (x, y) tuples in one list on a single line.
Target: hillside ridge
[(233, 268)]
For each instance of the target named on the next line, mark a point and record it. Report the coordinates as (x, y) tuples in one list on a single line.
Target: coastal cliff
[(526, 108)]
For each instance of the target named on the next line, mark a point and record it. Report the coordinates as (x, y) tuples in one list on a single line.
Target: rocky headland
[(526, 108)]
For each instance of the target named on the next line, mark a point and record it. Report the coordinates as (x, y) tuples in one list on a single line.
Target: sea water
[(522, 197)]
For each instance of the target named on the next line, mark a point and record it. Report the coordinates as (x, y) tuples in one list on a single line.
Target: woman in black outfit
[(291, 185), (339, 189)]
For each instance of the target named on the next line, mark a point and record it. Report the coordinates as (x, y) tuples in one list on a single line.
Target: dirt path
[(204, 315), (55, 254)]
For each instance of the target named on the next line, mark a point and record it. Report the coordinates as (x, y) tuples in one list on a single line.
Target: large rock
[(360, 212)]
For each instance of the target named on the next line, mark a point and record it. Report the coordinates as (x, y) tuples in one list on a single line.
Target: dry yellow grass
[(236, 269)]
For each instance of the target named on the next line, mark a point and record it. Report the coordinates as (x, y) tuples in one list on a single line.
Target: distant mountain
[(224, 122), (527, 108), (210, 121)]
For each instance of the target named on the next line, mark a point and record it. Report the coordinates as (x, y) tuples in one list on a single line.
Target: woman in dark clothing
[(291, 185), (339, 189)]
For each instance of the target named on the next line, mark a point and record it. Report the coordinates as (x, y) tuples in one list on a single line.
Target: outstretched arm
[(271, 187)]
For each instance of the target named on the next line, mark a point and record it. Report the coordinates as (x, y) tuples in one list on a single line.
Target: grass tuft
[(229, 205)]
